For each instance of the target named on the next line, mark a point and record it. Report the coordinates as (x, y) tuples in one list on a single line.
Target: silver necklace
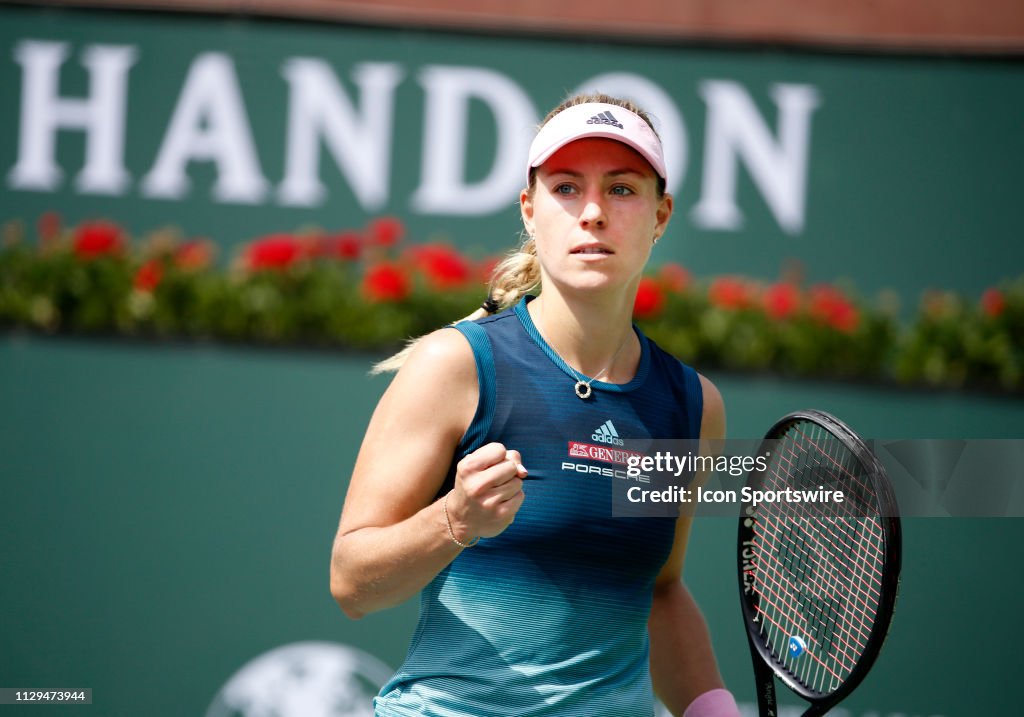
[(582, 387)]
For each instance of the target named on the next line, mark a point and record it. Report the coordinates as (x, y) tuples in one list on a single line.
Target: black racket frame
[(766, 667)]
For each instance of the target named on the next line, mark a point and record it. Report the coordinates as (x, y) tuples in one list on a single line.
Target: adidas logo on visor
[(605, 118), (606, 433)]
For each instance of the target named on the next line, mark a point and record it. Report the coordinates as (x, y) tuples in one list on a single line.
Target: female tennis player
[(478, 483)]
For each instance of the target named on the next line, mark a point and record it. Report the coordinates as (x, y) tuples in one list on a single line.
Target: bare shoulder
[(445, 352), (713, 420), (440, 373), (448, 345), (413, 433)]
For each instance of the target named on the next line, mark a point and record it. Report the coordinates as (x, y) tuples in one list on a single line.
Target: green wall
[(910, 180), (168, 512)]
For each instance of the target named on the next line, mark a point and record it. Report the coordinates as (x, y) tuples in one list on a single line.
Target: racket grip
[(713, 703)]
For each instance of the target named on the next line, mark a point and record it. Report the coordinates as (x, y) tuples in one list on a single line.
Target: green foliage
[(954, 342), (368, 290)]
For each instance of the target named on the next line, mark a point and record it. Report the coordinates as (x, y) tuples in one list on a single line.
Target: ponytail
[(513, 278)]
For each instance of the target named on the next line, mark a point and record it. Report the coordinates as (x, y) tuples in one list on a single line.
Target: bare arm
[(683, 663), (393, 537)]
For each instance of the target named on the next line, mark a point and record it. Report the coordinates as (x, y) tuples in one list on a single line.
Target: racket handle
[(764, 678)]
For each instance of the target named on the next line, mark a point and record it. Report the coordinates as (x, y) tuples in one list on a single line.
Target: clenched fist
[(487, 494)]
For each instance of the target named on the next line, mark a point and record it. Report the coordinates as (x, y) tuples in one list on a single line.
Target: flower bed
[(370, 289)]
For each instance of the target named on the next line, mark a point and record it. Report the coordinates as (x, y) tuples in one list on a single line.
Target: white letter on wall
[(443, 189), (360, 142), (735, 131), (101, 115), (209, 123)]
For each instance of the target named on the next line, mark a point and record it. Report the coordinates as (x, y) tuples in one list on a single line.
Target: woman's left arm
[(683, 666)]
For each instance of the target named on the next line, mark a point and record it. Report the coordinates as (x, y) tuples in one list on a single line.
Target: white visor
[(596, 119)]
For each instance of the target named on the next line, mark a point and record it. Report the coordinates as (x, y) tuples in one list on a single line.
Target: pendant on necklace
[(583, 389)]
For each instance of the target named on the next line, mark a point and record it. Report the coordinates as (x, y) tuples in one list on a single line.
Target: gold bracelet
[(451, 533)]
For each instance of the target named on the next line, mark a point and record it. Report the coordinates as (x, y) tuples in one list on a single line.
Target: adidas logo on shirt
[(605, 118), (606, 433)]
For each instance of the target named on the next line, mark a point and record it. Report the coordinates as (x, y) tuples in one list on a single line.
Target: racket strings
[(826, 586), (859, 496), (818, 619), (839, 579), (818, 578), (818, 605), (831, 528)]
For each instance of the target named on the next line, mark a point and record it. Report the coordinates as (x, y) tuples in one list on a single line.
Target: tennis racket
[(818, 580)]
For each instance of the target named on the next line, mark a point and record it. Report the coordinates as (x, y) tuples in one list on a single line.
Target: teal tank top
[(550, 617)]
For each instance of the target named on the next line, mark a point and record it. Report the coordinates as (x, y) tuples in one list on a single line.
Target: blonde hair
[(519, 273)]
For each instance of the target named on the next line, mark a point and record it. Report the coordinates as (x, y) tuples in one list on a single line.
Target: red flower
[(386, 282), (650, 299), (845, 317), (48, 227), (729, 292), (276, 252), (385, 231), (675, 277), (993, 302), (780, 301), (347, 246), (444, 267), (194, 255), (829, 306), (100, 238), (148, 276)]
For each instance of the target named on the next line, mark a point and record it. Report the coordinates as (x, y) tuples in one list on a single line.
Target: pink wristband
[(713, 703)]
